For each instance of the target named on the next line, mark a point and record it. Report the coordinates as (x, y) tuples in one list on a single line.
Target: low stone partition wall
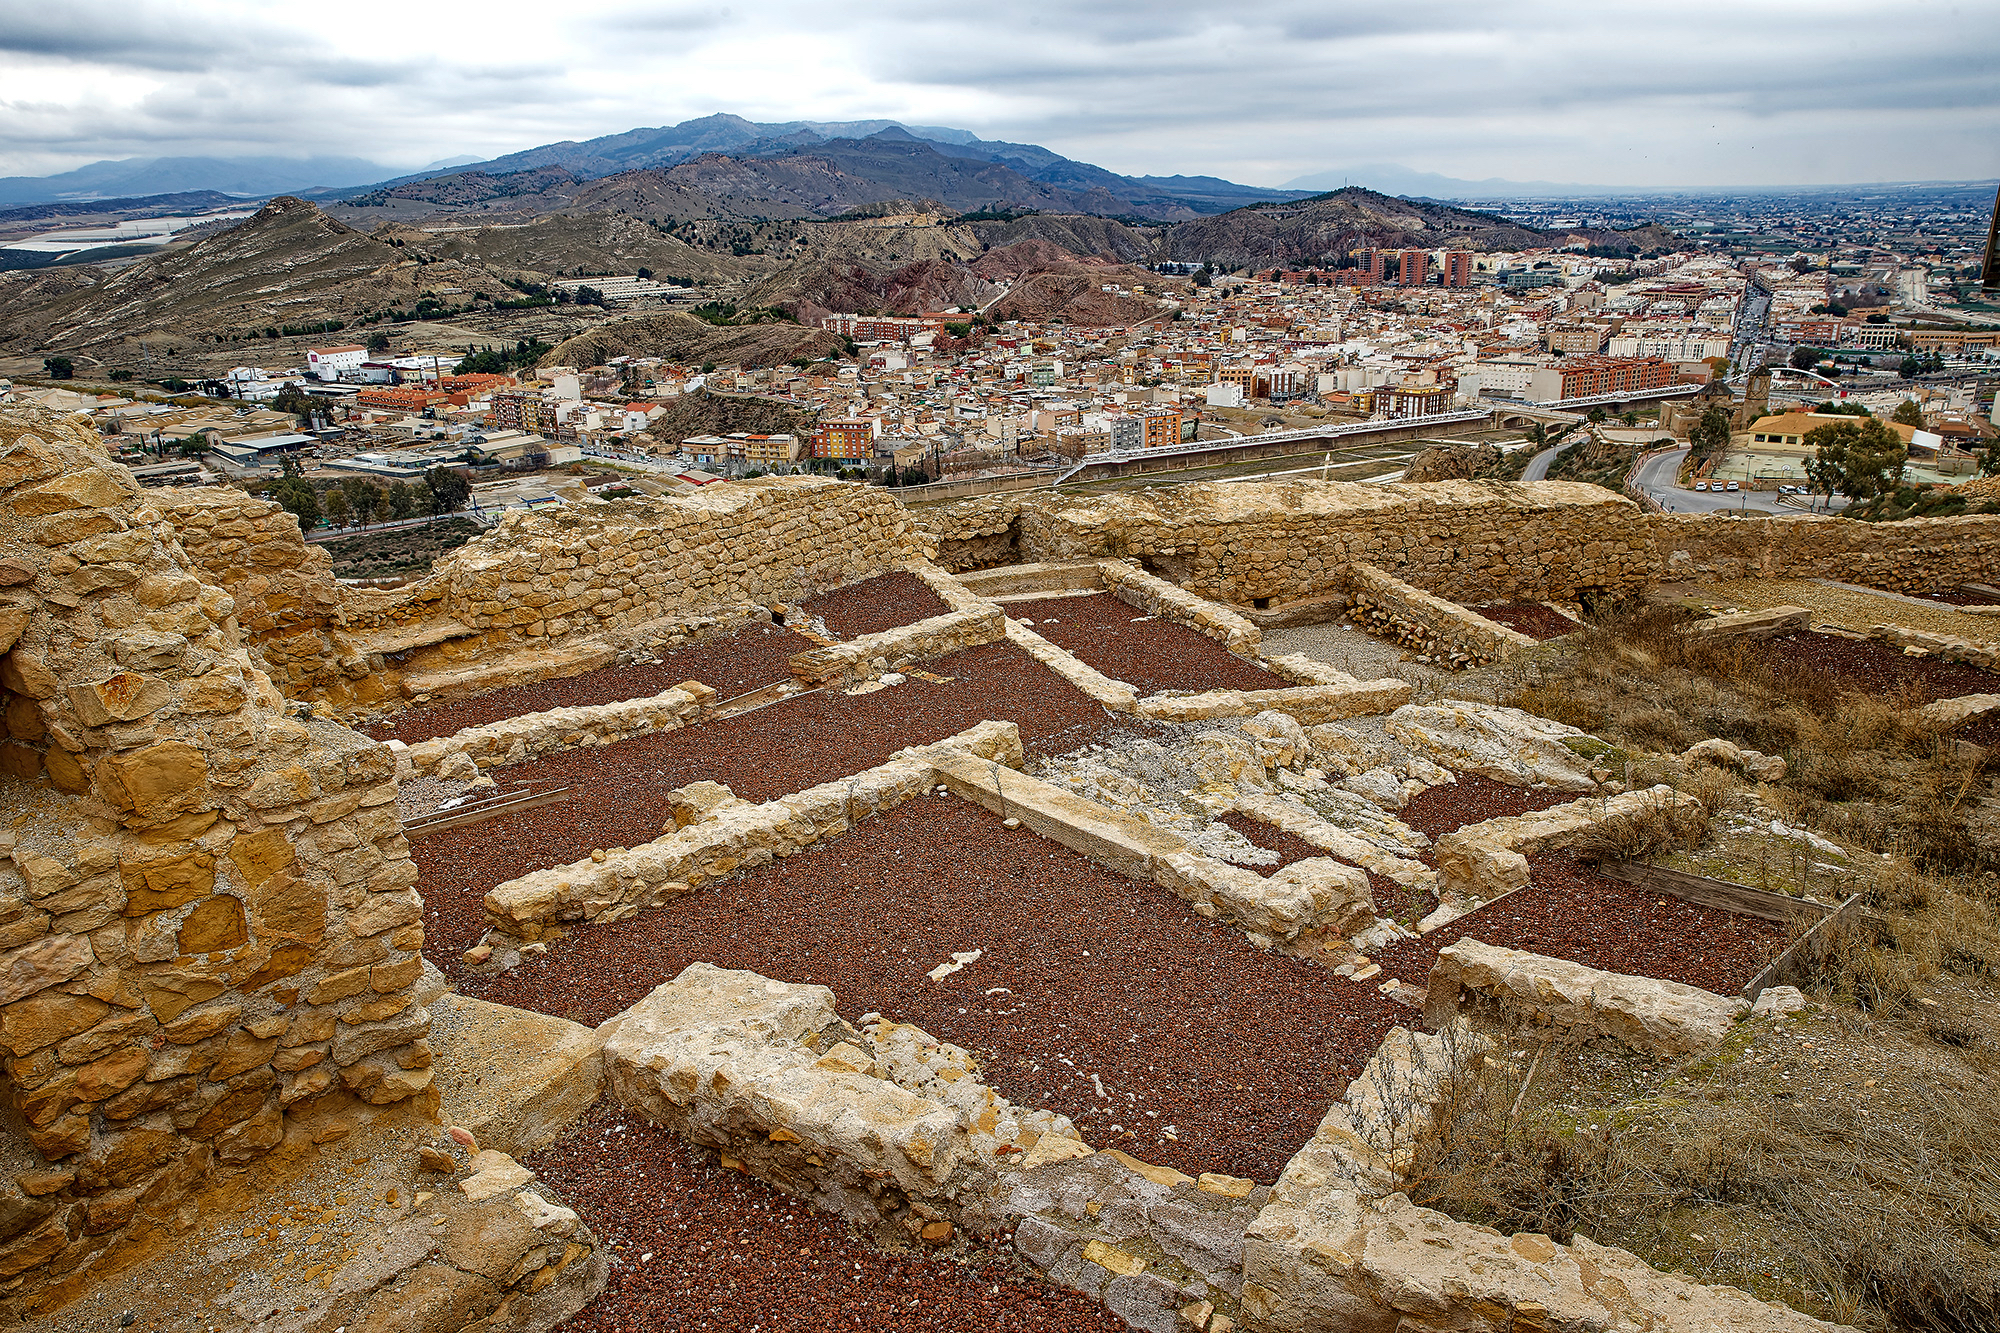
[(887, 1127), (951, 591), (1157, 597), (1310, 895), (514, 739), (897, 649), (1951, 649), (1965, 707), (1323, 1257), (1664, 1017), (1308, 704), (1480, 862), (734, 835), (1443, 631), (1113, 694), (1302, 670)]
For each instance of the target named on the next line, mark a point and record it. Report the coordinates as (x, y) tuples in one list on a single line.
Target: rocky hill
[(1077, 233), (289, 264), (683, 338), (704, 413), (1319, 232)]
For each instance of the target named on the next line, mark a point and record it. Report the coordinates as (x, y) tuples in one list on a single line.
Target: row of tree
[(354, 501)]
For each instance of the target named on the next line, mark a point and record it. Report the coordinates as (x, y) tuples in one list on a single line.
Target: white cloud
[(1708, 92)]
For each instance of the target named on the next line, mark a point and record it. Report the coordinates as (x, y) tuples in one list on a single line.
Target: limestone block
[(1482, 861), (1648, 1015), (1758, 765), (1505, 744), (1750, 624), (717, 1055), (1946, 713)]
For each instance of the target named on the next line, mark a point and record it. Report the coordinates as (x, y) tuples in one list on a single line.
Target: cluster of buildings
[(1402, 334)]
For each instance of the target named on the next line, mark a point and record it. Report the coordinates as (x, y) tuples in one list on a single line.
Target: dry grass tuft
[(1753, 1166)]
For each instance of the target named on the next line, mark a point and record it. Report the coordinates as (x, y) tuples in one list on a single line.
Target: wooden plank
[(1793, 959), (1723, 894), (1713, 892), (458, 816)]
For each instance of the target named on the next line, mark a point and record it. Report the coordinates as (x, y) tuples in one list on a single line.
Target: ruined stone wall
[(571, 584), (208, 934), (1464, 540), (288, 602)]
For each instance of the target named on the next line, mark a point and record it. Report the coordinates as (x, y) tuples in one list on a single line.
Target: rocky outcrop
[(1504, 744), (1647, 1015)]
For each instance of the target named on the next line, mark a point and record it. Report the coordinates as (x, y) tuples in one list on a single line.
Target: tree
[(337, 508), (1910, 368), (298, 499), (402, 501), (379, 343), (1597, 415), (1203, 276), (1710, 435), (59, 367), (1805, 358), (1907, 413), (1862, 458), (645, 274), (449, 492)]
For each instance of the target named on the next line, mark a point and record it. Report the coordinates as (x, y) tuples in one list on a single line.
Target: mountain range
[(932, 162)]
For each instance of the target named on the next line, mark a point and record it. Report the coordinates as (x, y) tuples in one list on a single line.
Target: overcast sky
[(1706, 92)]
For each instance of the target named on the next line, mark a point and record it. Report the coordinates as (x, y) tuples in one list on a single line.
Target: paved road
[(1538, 466), (1656, 477)]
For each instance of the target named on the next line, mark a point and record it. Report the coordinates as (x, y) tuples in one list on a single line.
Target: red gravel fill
[(1570, 911), (1530, 618), (730, 665), (1151, 655), (622, 789), (726, 1252), (884, 602), (1084, 972), (1876, 668), (1472, 800), (1984, 731), (1289, 846)]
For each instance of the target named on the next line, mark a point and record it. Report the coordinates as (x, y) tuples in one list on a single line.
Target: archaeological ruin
[(1095, 908)]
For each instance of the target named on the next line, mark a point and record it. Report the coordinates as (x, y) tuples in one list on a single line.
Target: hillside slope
[(288, 264), (683, 338), (1319, 232)]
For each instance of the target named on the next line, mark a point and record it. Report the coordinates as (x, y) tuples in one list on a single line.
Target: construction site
[(1281, 906)]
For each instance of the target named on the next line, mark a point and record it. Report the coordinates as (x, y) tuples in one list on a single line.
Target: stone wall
[(886, 1126), (1439, 631), (1157, 597), (1464, 540), (208, 934), (571, 585), (873, 655), (729, 835), (513, 739), (1663, 1017)]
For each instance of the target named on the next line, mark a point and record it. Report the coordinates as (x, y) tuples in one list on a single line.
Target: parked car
[(1734, 487), (1701, 485)]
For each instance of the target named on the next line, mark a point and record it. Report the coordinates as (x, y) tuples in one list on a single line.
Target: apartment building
[(851, 439), (1458, 269), (1588, 376)]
